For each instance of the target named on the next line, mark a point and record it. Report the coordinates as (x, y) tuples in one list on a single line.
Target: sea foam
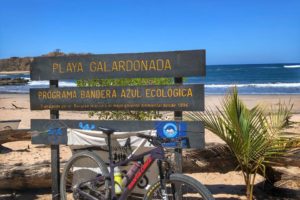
[(291, 66), (257, 85), (46, 83)]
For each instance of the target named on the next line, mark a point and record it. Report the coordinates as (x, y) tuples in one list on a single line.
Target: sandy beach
[(14, 72), (8, 111), (223, 186), (83, 56)]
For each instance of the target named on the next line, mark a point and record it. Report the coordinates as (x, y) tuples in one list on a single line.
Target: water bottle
[(130, 174), (118, 180)]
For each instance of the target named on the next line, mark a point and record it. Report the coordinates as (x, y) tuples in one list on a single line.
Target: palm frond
[(254, 136)]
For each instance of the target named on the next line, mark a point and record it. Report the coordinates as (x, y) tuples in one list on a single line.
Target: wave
[(291, 66), (256, 85), (67, 84), (46, 83), (38, 83), (270, 67)]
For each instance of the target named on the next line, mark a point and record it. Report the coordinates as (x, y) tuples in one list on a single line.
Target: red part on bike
[(140, 173)]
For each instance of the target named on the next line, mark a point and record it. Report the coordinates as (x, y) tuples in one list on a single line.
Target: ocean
[(250, 79)]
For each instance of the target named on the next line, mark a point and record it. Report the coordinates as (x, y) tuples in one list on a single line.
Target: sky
[(231, 32)]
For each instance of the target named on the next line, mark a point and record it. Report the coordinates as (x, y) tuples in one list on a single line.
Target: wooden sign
[(53, 131), (169, 98), (127, 65)]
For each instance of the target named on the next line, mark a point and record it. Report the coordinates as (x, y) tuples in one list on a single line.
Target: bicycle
[(102, 184)]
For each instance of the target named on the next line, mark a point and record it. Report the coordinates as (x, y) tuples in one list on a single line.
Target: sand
[(8, 111), (223, 186), (14, 72)]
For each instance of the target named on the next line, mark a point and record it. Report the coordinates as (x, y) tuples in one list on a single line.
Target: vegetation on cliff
[(15, 64), (23, 64)]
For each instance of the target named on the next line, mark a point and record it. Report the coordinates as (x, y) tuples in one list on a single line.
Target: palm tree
[(254, 137)]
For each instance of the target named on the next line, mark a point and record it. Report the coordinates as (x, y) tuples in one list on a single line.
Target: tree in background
[(255, 137), (126, 115)]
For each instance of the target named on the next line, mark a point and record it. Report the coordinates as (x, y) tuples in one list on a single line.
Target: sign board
[(127, 65), (53, 131), (176, 64), (170, 98)]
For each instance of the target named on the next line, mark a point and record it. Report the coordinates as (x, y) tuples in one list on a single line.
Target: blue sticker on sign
[(86, 126), (55, 135), (55, 131), (171, 130)]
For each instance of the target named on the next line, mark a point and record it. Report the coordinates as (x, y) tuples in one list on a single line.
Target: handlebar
[(158, 141)]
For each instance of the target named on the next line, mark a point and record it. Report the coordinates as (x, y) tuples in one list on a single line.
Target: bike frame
[(154, 154)]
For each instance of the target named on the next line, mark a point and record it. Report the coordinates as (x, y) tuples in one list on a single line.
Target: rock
[(23, 64), (9, 81), (15, 64)]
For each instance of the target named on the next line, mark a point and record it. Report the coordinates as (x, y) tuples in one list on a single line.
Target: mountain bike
[(103, 184)]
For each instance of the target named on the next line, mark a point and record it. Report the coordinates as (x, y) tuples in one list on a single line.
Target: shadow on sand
[(25, 194), (261, 192)]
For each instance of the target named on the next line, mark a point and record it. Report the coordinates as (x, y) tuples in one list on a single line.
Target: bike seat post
[(110, 157), (108, 132)]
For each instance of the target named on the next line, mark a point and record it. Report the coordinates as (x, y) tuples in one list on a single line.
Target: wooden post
[(178, 116), (55, 172)]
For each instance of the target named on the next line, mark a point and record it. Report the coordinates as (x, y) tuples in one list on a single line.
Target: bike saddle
[(107, 131)]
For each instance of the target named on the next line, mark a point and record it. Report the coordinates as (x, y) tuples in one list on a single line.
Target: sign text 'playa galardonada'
[(126, 65)]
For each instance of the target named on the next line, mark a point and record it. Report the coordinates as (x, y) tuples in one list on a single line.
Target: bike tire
[(81, 167), (194, 188)]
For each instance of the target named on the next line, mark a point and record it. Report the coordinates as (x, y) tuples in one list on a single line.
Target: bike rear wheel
[(190, 188), (84, 167)]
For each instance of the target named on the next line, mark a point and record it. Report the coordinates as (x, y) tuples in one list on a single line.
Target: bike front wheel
[(179, 187), (84, 167)]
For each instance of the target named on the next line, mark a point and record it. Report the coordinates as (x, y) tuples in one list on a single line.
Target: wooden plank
[(126, 65), (193, 130), (169, 98)]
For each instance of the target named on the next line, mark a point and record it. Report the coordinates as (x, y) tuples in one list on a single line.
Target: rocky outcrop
[(23, 64), (10, 81), (15, 64)]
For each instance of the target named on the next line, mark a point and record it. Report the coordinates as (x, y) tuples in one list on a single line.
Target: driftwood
[(17, 107), (25, 176), (12, 135)]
